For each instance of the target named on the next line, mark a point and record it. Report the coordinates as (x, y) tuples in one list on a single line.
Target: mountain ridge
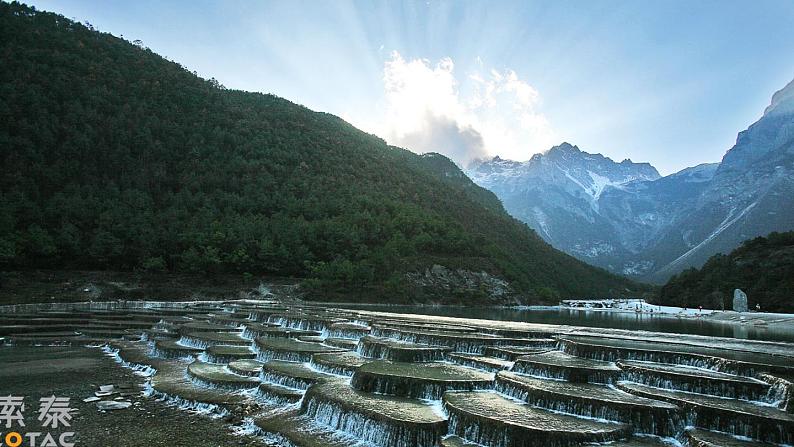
[(116, 158), (650, 228)]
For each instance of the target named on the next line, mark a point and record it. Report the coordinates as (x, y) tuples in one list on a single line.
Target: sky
[(667, 82)]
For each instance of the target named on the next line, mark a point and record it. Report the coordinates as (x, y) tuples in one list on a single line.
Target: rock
[(739, 301), (92, 291), (106, 405), (440, 280)]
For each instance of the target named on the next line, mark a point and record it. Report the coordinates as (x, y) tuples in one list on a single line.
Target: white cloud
[(425, 110)]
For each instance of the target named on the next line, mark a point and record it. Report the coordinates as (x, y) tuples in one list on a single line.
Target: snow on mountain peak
[(586, 173)]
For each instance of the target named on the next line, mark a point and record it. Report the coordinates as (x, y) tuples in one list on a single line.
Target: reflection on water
[(616, 320)]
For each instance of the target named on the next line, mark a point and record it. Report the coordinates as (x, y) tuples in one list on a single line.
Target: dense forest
[(115, 158), (762, 267)]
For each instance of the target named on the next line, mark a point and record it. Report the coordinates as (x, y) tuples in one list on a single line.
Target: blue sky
[(668, 82)]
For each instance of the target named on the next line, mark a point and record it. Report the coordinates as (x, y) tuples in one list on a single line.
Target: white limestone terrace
[(632, 305), (562, 385)]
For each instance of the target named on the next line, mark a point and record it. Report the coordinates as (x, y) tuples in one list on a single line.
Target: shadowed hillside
[(762, 267), (116, 158)]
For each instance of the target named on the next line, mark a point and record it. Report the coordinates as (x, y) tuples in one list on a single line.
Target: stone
[(441, 280), (739, 301), (112, 405)]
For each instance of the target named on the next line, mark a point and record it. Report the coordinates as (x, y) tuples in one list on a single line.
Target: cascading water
[(365, 428), (644, 419), (286, 381), (781, 393)]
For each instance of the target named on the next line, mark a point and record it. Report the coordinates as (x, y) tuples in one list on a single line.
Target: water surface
[(615, 320)]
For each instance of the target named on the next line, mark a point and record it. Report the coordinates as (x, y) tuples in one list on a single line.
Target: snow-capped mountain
[(564, 164), (559, 194), (626, 218)]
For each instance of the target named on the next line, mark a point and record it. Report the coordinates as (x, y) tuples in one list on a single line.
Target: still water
[(615, 320)]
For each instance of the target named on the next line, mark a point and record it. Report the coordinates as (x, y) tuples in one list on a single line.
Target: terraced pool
[(323, 376)]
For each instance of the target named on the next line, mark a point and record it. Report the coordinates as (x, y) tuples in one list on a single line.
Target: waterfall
[(494, 433), (216, 358), (541, 371), (781, 393), (138, 368), (264, 355), (565, 373), (304, 324), (337, 370), (395, 334), (277, 400), (646, 420), (212, 410), (699, 385), (201, 383), (350, 334), (277, 319), (191, 342), (277, 439), (286, 381), (377, 350), (248, 334), (612, 354), (472, 431), (147, 371), (472, 363), (367, 429), (415, 389)]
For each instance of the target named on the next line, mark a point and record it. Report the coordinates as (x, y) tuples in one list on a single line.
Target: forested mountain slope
[(762, 267), (116, 158)]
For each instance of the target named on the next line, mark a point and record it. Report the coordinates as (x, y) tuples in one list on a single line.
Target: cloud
[(427, 109), (444, 135)]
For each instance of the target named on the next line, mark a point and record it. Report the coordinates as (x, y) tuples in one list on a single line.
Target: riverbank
[(720, 316)]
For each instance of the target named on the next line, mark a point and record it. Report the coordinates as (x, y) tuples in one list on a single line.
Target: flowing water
[(411, 377), (599, 319)]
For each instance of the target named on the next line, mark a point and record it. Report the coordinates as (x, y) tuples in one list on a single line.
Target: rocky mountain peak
[(563, 150), (580, 174), (782, 101), (626, 218), (700, 173), (770, 138)]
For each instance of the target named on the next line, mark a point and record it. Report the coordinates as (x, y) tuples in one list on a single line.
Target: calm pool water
[(615, 320)]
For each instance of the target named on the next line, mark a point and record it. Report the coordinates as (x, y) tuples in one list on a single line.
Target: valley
[(628, 219)]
